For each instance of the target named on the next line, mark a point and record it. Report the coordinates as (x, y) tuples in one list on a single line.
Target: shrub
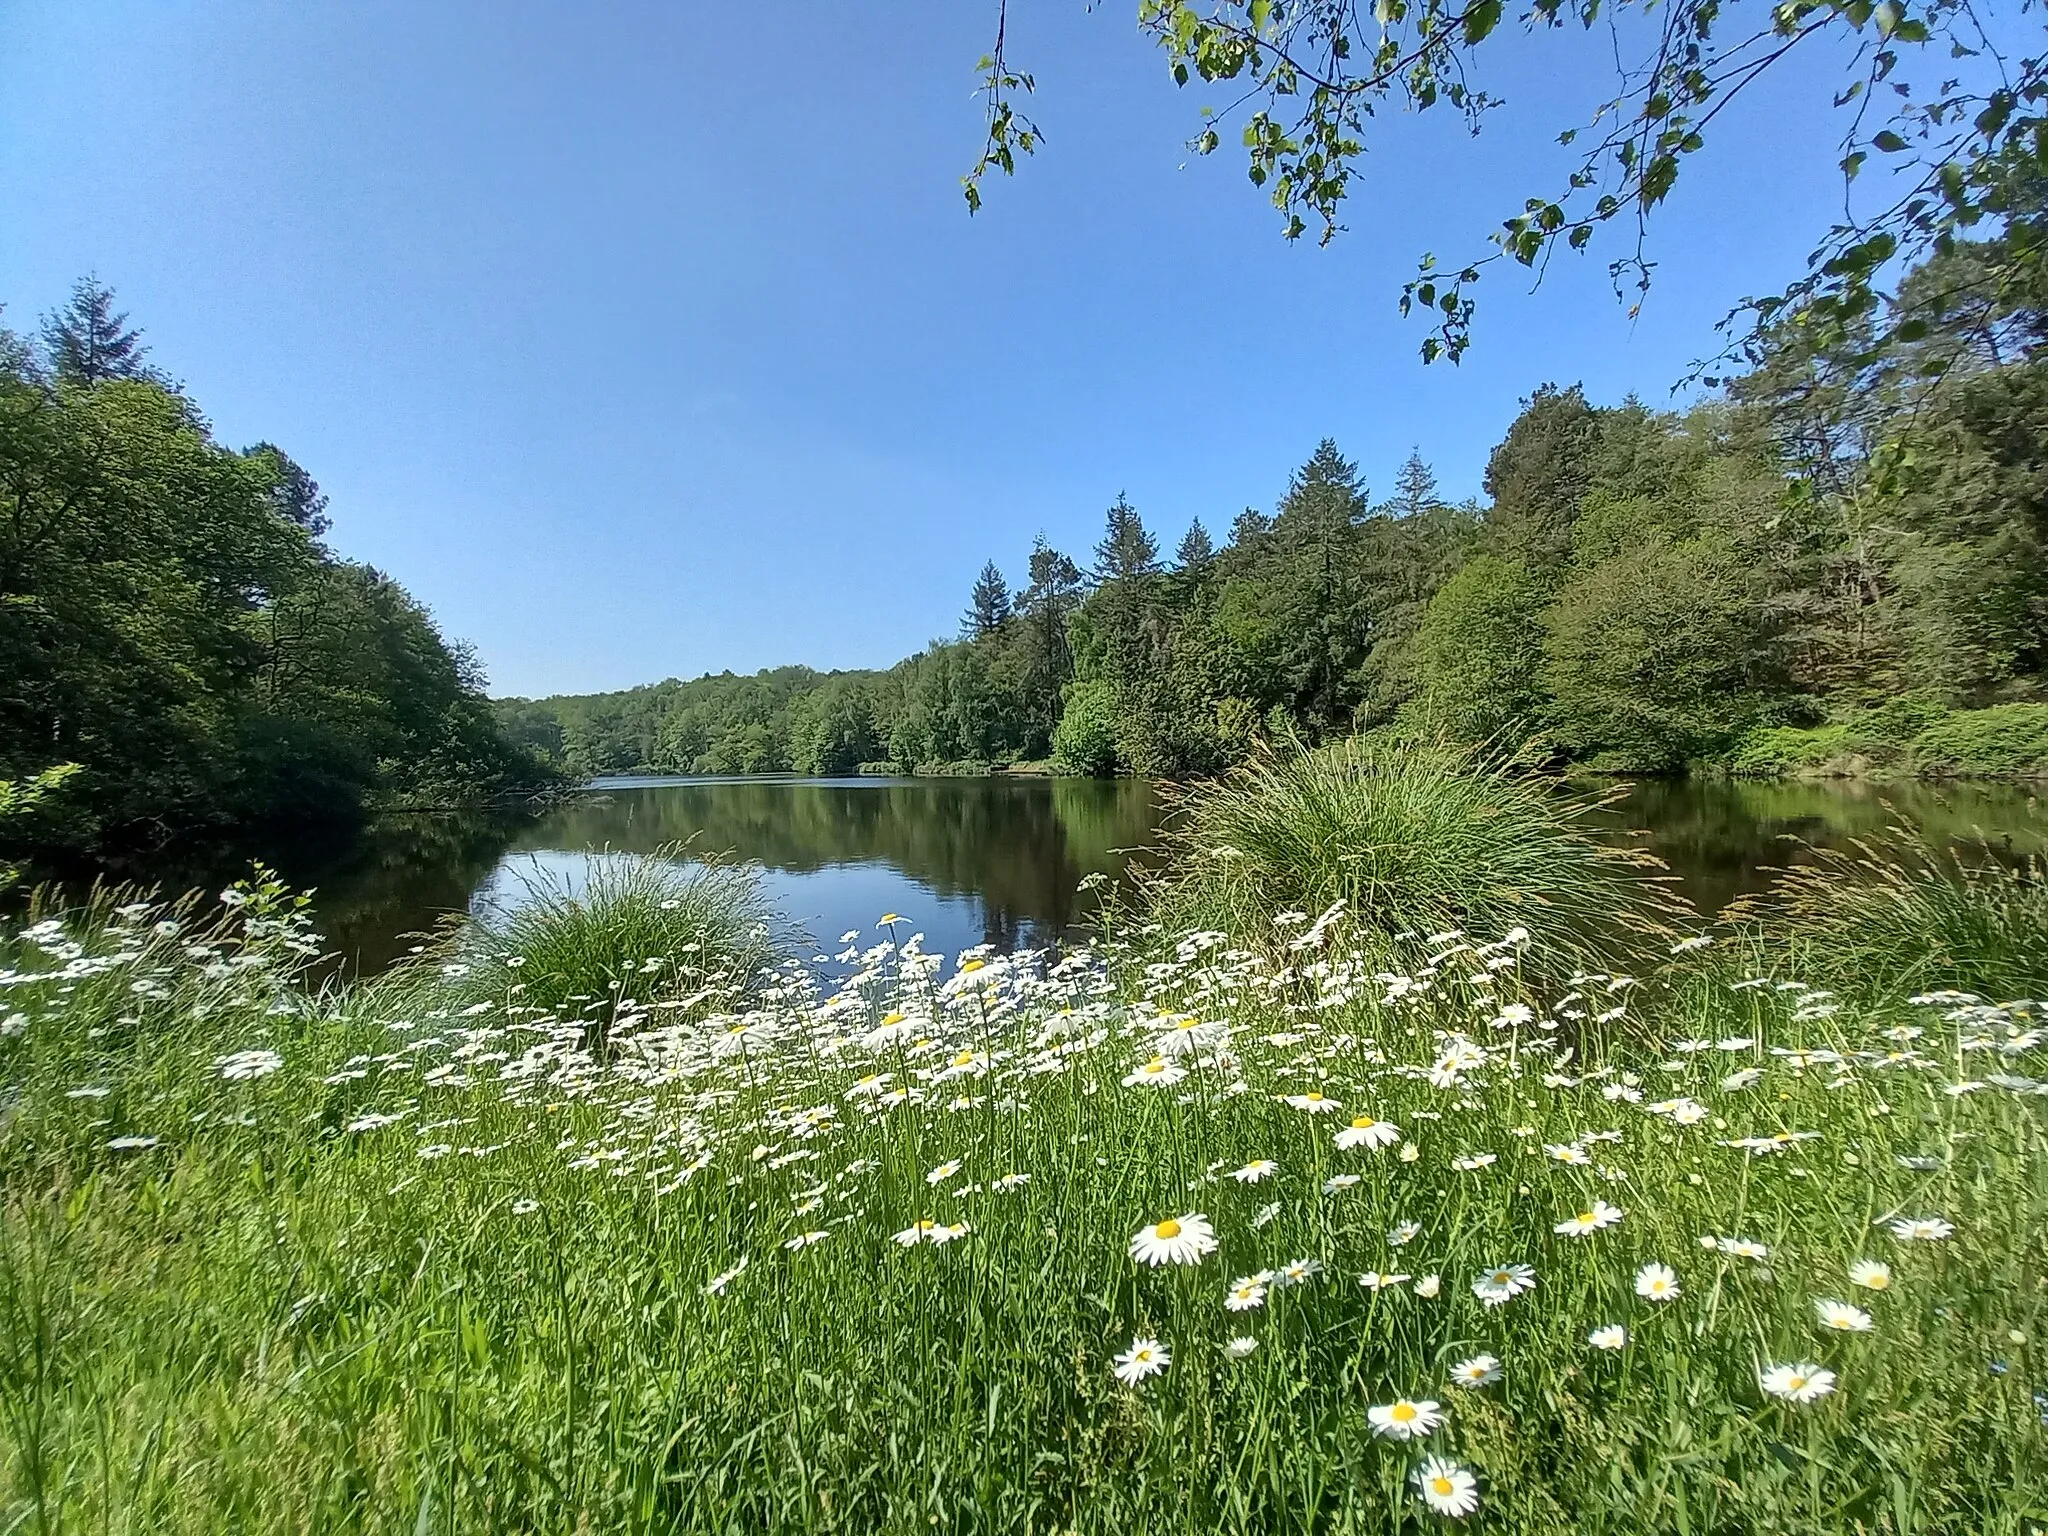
[(2005, 739), (1085, 741), (1411, 836), (1780, 749)]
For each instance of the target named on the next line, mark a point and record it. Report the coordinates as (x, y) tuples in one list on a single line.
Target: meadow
[(605, 1225)]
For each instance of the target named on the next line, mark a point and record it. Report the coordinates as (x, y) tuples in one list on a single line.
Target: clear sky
[(649, 338)]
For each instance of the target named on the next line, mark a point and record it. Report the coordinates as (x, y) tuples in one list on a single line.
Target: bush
[(1780, 749), (1085, 740), (1412, 837), (2005, 739)]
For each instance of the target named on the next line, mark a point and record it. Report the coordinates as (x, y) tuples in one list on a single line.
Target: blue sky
[(649, 339)]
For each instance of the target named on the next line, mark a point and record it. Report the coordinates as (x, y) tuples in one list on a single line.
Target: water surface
[(1000, 860)]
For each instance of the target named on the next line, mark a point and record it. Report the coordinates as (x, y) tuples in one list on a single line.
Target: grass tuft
[(1412, 837)]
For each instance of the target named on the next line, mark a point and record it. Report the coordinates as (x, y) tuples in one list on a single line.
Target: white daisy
[(1239, 1347), (1313, 1102), (1871, 1275), (1921, 1229), (1842, 1317), (1596, 1217), (1145, 1357), (1404, 1419), (1446, 1487), (1256, 1171), (1797, 1383), (1657, 1282), (1611, 1336), (1479, 1371), (1504, 1284), (1246, 1293), (1364, 1131), (1186, 1240)]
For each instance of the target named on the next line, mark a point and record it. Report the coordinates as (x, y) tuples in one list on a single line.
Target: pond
[(1000, 860)]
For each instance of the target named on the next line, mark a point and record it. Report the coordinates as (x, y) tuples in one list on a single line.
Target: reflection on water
[(1724, 838), (1000, 860), (965, 861)]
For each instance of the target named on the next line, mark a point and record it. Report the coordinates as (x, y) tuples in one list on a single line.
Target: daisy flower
[(1797, 1383), (1156, 1073), (917, 1232), (1313, 1102), (1475, 1161), (1364, 1131), (1871, 1275), (1842, 1317), (1374, 1281), (1299, 1272), (1338, 1182), (1921, 1229), (1145, 1357), (1403, 1233), (1246, 1293), (1596, 1217), (718, 1283), (1256, 1171), (1568, 1152), (1446, 1487), (1186, 1240), (1657, 1282), (1403, 1419), (805, 1239), (1429, 1286), (1240, 1346), (1504, 1284), (943, 1172), (1479, 1371), (1612, 1336)]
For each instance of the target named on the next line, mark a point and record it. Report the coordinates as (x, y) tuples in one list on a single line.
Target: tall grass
[(641, 931), (1413, 837), (1892, 916), (277, 1262)]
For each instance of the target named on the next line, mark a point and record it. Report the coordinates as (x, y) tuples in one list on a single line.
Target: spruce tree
[(1414, 488), (1196, 550), (1126, 550), (988, 607), (89, 342)]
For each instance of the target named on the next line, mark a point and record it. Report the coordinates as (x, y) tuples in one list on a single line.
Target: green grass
[(1413, 837), (448, 1270), (1891, 917), (648, 931)]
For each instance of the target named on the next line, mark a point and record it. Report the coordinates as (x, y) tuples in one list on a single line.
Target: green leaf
[(1480, 20)]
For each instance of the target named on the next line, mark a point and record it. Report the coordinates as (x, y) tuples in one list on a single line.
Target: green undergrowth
[(858, 1255), (1907, 740)]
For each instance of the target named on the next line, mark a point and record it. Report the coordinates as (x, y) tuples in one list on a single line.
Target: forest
[(177, 635), (1836, 561)]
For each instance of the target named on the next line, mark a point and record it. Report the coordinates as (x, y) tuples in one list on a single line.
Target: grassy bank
[(859, 1256), (2007, 741)]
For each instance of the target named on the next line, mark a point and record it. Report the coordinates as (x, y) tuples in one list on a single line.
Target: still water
[(1000, 860)]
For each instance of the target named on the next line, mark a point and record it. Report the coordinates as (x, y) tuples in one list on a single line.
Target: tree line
[(1841, 555), (173, 623)]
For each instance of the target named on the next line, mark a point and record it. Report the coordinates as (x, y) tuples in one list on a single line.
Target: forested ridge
[(173, 623), (1839, 562)]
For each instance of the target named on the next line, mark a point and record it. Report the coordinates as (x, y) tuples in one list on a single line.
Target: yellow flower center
[(963, 1059), (1796, 1383), (892, 1018), (973, 965), (1363, 1123), (1403, 1412), (1168, 1230), (1313, 1097), (1585, 1218), (1440, 1486)]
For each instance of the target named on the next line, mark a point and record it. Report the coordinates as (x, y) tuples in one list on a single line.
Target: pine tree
[(1126, 550), (988, 605), (1196, 550), (89, 342), (1414, 488)]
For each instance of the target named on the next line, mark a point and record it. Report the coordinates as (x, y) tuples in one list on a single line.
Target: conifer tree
[(88, 341), (988, 607)]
